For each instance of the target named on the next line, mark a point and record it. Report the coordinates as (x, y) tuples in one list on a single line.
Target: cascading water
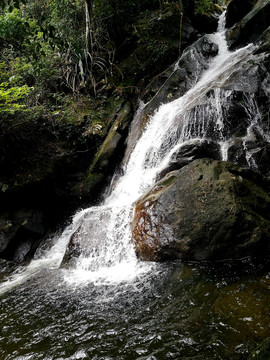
[(102, 233)]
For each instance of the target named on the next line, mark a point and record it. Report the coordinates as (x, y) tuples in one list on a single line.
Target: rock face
[(189, 68), (208, 210)]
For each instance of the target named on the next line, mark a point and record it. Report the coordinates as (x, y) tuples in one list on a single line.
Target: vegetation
[(54, 47), (205, 6), (65, 64)]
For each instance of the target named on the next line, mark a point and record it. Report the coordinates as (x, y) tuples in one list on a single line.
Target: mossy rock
[(117, 132), (108, 156)]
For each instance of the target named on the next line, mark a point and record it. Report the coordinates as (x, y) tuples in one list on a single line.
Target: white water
[(103, 232)]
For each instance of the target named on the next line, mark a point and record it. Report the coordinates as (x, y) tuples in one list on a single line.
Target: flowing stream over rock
[(108, 305)]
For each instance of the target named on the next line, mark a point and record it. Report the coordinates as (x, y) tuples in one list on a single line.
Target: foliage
[(203, 6), (54, 35), (11, 98), (13, 29)]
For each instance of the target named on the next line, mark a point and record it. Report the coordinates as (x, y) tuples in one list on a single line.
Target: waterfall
[(102, 233)]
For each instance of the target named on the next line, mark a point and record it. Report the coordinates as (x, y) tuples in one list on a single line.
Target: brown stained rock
[(208, 210)]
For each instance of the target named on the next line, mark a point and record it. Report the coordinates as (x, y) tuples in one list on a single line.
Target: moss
[(113, 139), (93, 179), (167, 181)]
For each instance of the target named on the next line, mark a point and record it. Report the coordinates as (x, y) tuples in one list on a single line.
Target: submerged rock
[(208, 210)]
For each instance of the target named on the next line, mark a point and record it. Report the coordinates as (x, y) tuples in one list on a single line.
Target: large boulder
[(208, 210)]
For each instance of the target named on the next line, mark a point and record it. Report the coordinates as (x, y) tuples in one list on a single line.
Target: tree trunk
[(88, 26)]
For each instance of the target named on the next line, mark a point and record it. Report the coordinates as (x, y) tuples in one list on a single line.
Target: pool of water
[(174, 311)]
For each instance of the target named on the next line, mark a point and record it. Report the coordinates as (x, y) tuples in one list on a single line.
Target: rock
[(6, 269), (264, 43), (258, 154), (208, 210), (251, 27), (173, 165), (189, 68), (193, 149), (73, 250), (20, 234), (237, 9), (198, 149), (7, 231), (117, 133), (109, 154), (252, 151), (237, 153)]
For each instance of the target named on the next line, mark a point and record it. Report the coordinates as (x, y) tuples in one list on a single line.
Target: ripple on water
[(174, 311)]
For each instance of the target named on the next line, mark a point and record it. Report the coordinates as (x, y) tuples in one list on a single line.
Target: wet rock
[(237, 153), (198, 149), (194, 149), (251, 27), (264, 43), (73, 250), (208, 210), (237, 9), (6, 268), (251, 151), (110, 152), (185, 74), (20, 234)]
